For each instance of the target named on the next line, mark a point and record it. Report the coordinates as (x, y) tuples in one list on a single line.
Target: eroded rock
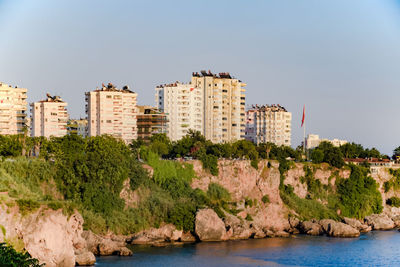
[(379, 222), (363, 228), (209, 227), (338, 229), (85, 259), (310, 228)]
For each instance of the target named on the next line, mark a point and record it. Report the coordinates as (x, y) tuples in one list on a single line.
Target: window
[(108, 121), (108, 96)]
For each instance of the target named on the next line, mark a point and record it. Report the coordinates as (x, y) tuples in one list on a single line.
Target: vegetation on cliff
[(9, 257), (89, 174)]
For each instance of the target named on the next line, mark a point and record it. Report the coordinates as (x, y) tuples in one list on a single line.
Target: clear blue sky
[(340, 58)]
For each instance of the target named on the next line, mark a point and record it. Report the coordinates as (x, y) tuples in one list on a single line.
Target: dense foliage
[(9, 257), (358, 195), (194, 145), (394, 182), (393, 201), (328, 153)]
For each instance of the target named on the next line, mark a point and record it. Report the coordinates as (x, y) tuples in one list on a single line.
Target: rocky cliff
[(48, 235), (59, 240), (273, 217)]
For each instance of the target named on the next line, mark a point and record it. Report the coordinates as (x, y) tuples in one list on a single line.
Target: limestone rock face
[(209, 227), (244, 182), (92, 241), (240, 228), (85, 259), (108, 247), (46, 234), (338, 229), (310, 228), (363, 228), (379, 222)]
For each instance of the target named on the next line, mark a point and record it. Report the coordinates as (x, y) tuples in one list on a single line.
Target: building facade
[(112, 111), (211, 104), (183, 105), (13, 109), (49, 117), (150, 120), (78, 127), (313, 140), (224, 117), (269, 124)]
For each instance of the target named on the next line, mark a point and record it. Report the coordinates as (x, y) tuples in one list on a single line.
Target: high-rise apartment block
[(183, 104), (49, 117), (13, 107), (269, 124), (112, 111), (212, 104), (224, 106), (150, 120)]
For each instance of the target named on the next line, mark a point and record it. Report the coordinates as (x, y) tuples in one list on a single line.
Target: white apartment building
[(183, 105), (49, 117), (269, 124), (313, 141), (112, 111), (224, 106), (13, 109)]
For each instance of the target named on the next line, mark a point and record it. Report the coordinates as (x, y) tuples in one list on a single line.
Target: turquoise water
[(380, 248)]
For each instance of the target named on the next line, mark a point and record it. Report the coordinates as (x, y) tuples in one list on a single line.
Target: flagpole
[(304, 139)]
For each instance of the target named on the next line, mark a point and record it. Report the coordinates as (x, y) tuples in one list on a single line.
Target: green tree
[(317, 156), (396, 153), (9, 257), (359, 195)]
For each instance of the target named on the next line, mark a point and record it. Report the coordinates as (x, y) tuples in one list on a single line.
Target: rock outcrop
[(166, 233), (310, 228), (338, 229), (209, 227), (106, 246), (363, 228), (48, 235), (85, 259), (379, 222)]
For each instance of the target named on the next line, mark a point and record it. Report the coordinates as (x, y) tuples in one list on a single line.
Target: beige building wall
[(224, 106), (313, 141), (49, 118), (269, 124), (112, 111), (183, 105), (13, 109)]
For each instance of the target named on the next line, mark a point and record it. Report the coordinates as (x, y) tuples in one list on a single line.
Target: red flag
[(304, 115), (191, 89)]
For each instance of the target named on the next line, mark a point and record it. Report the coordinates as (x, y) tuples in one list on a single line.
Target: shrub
[(265, 199), (254, 163), (358, 195), (248, 217), (217, 194), (393, 201), (27, 205), (10, 257), (210, 163), (182, 215)]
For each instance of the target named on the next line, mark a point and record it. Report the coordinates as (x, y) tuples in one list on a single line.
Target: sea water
[(378, 248)]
